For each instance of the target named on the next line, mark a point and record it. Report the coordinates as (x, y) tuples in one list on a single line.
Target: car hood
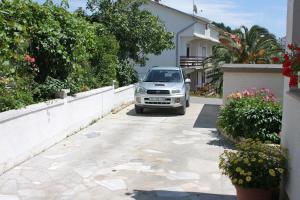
[(160, 85)]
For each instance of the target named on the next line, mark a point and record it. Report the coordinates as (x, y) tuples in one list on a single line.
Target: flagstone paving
[(157, 155)]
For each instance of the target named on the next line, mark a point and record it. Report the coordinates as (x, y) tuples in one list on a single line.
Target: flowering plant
[(252, 113), (291, 64), (254, 164), (264, 93)]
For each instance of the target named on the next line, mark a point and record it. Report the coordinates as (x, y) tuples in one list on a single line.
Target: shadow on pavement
[(220, 141), (159, 112), (207, 117), (164, 195)]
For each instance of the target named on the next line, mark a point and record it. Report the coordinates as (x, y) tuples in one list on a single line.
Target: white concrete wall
[(238, 77), (28, 131), (291, 141), (291, 112)]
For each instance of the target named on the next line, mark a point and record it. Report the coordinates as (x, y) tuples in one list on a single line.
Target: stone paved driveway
[(157, 155)]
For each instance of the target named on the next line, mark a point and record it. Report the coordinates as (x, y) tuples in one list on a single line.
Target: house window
[(204, 52), (188, 51)]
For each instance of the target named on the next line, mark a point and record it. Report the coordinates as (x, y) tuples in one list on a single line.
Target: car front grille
[(158, 92), (158, 101)]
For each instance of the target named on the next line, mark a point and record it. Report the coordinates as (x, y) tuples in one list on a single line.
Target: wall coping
[(14, 114), (252, 68), (118, 90)]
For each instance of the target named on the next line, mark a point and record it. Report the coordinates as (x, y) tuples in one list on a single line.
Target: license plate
[(157, 99)]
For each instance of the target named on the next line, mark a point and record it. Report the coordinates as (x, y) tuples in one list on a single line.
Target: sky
[(270, 14)]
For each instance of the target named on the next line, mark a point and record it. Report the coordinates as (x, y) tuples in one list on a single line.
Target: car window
[(173, 76)]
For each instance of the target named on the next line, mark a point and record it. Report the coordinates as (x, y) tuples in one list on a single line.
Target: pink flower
[(29, 59)]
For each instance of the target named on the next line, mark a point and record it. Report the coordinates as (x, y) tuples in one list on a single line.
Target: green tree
[(45, 48), (138, 32), (254, 46)]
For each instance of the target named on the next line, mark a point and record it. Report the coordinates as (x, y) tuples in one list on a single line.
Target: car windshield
[(173, 76)]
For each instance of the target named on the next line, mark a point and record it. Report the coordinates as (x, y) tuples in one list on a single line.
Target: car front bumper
[(159, 101)]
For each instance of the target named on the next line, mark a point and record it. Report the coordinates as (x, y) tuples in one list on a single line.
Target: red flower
[(287, 64), (293, 81), (286, 57), (286, 71), (275, 60), (290, 46)]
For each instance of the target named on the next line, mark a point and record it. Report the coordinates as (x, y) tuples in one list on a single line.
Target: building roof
[(203, 19)]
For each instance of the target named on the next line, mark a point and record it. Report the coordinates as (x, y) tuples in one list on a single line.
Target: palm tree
[(254, 46)]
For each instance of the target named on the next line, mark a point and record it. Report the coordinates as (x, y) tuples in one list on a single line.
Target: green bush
[(45, 48), (104, 60), (15, 92), (126, 74), (252, 114)]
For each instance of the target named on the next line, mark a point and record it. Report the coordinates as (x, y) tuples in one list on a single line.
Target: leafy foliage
[(252, 114), (138, 32), (254, 165), (126, 74), (254, 46), (45, 48), (223, 27), (104, 60)]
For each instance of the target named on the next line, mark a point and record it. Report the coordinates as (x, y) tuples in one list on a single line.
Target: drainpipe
[(177, 42)]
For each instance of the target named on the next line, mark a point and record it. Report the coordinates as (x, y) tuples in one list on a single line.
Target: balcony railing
[(192, 61)]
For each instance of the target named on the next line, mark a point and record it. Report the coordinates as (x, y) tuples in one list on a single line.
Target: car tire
[(138, 110), (182, 109), (188, 103)]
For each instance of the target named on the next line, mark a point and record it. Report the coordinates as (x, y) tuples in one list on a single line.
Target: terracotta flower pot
[(254, 194)]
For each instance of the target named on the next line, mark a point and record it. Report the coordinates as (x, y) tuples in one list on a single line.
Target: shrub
[(15, 92), (126, 74), (252, 114), (45, 48), (104, 60), (254, 165)]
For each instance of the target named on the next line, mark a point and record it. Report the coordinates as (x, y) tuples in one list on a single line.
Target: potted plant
[(255, 169)]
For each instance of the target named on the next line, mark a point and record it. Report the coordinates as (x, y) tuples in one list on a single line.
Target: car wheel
[(188, 103), (138, 110), (182, 109)]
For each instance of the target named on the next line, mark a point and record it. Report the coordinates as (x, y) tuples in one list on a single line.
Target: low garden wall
[(28, 131), (238, 77)]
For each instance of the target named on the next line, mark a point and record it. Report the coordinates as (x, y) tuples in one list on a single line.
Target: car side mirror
[(188, 81)]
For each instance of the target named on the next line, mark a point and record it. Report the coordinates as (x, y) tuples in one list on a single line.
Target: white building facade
[(194, 38)]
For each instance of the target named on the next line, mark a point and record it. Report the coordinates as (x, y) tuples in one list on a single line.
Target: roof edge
[(203, 19)]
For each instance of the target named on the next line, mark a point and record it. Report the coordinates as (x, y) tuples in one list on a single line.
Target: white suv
[(163, 87)]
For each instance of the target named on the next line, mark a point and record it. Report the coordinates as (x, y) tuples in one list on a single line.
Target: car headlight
[(176, 91), (140, 90)]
